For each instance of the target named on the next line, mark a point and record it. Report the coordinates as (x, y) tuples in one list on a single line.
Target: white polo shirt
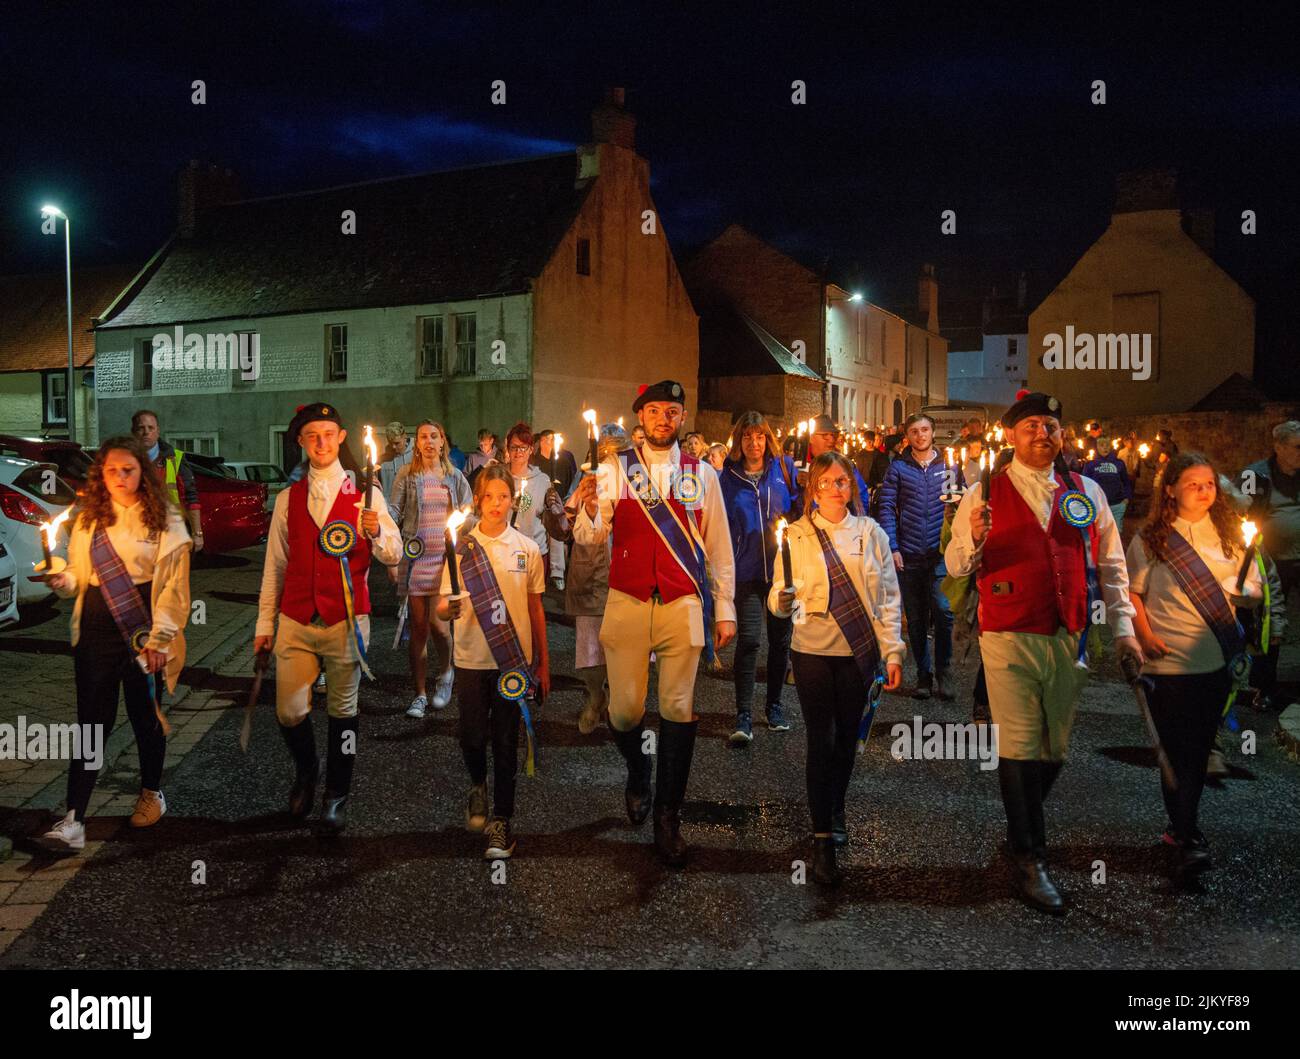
[(1192, 646), (517, 562)]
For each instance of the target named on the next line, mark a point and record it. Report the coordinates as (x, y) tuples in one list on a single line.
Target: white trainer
[(416, 709), (67, 836), (442, 690)]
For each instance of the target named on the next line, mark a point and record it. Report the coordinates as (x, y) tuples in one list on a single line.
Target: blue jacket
[(753, 511), (1110, 473), (909, 504)]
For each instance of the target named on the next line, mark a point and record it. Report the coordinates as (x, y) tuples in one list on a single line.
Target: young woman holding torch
[(425, 492), (836, 578), (501, 654), (1187, 578), (129, 569)]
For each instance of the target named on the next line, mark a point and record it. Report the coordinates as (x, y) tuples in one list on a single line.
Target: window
[(1013, 347), (56, 398), (835, 401), (584, 257), (466, 343), (336, 352), (882, 341), (142, 377), (432, 345), (201, 444)]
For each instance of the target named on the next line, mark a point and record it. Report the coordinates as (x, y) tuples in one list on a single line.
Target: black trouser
[(1186, 709), (832, 696), (485, 714), (102, 663), (1263, 671), (751, 613)]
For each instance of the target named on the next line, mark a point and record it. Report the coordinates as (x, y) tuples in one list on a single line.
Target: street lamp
[(855, 297), (54, 211)]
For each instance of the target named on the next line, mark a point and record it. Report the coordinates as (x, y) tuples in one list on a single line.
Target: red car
[(234, 511)]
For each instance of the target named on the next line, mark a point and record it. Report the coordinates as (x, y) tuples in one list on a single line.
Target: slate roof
[(1236, 393), (435, 237), (733, 344), (34, 316)]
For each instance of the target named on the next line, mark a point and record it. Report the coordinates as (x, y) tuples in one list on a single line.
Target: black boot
[(302, 746), (637, 793), (824, 869), (1022, 798), (338, 773), (676, 748), (839, 828), (1036, 887), (1047, 773)]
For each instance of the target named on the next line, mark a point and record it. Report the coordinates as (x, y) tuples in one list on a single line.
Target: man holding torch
[(318, 553), (672, 573), (1047, 552)]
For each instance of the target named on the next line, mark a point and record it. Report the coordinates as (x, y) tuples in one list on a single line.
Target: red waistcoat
[(641, 561), (313, 581), (1031, 580)]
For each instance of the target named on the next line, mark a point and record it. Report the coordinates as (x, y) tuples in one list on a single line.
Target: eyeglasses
[(841, 484), (519, 450)]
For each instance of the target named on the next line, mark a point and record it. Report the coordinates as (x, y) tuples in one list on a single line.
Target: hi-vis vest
[(172, 470)]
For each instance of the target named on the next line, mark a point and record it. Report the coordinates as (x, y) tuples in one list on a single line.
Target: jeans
[(485, 717), (751, 612), (1118, 510), (919, 581)]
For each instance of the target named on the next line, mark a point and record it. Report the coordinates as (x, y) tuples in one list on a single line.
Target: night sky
[(908, 114)]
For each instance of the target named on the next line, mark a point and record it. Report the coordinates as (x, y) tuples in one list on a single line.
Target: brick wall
[(1230, 439)]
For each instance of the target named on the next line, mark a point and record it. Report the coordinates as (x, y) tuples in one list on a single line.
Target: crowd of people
[(663, 553)]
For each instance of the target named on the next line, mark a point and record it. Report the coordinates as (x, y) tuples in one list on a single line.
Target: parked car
[(234, 512), (30, 494), (8, 588), (268, 474), (73, 462)]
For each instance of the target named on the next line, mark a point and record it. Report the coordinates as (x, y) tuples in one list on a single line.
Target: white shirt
[(135, 544), (323, 487), (863, 548), (1192, 646), (662, 464), (517, 563), (1036, 488)]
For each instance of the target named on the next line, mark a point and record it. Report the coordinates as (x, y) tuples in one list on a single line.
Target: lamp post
[(70, 396)]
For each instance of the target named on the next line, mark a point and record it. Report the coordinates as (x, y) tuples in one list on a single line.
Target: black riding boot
[(1047, 773), (339, 762), (1022, 798), (676, 748), (637, 793), (824, 869), (302, 747)]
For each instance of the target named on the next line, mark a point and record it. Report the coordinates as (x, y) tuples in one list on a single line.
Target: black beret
[(312, 413), (1031, 404), (660, 391)]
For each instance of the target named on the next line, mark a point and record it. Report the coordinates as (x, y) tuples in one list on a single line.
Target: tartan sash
[(1207, 597), (121, 595), (849, 613), (480, 581), (678, 533)]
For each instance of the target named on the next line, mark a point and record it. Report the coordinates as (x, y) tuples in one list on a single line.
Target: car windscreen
[(72, 463), (43, 482)]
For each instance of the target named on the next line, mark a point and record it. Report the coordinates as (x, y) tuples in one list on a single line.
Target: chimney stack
[(200, 189), (611, 122), (927, 298)]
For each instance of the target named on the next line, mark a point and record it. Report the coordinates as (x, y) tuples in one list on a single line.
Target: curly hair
[(1155, 534), (97, 505)]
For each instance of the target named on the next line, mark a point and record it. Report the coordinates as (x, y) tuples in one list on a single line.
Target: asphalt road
[(406, 886)]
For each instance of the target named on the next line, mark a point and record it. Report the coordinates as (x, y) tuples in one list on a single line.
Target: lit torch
[(49, 533), (454, 521), (372, 458), (1248, 533), (592, 454), (784, 546), (1144, 450)]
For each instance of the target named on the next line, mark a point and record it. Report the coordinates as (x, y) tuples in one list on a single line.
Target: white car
[(30, 494), (8, 588), (267, 473)]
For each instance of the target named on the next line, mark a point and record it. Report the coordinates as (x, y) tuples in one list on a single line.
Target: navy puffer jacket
[(909, 504), (753, 511)]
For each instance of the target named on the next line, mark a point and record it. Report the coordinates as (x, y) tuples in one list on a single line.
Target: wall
[(597, 338), (383, 382), (784, 399), (1206, 322), (22, 408), (988, 376)]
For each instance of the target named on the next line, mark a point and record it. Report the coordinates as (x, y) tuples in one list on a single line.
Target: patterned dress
[(435, 506)]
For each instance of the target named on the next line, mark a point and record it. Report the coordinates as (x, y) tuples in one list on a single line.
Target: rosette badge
[(1077, 509), (337, 538)]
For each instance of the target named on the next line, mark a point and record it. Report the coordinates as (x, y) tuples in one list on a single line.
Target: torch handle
[(1245, 566)]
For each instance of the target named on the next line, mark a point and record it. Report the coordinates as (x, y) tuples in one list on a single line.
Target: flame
[(780, 532), (620, 422), (51, 529), (1144, 450), (1248, 531), (1092, 454), (800, 431), (454, 521), (963, 454), (559, 444), (369, 442), (1078, 443), (948, 452), (590, 416)]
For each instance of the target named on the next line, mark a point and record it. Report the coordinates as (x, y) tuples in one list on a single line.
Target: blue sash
[(677, 532)]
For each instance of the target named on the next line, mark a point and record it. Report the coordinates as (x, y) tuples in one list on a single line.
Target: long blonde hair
[(417, 457)]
